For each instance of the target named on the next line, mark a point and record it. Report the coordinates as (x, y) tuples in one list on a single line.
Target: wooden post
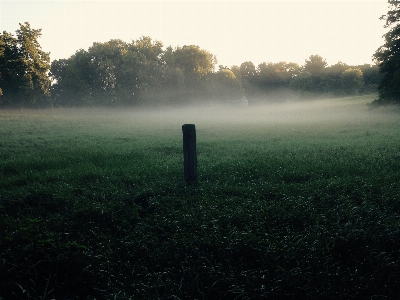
[(189, 152)]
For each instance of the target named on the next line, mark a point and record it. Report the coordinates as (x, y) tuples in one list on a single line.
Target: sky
[(234, 31)]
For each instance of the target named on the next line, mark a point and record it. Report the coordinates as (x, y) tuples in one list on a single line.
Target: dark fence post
[(189, 152)]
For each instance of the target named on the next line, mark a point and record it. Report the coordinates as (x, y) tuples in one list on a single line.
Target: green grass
[(297, 201)]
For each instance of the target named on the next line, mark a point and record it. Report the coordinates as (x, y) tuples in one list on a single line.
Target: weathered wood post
[(189, 153)]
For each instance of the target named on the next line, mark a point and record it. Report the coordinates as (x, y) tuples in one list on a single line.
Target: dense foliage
[(186, 74), (23, 69), (142, 72), (388, 57)]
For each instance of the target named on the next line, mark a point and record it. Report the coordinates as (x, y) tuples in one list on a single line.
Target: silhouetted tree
[(388, 58)]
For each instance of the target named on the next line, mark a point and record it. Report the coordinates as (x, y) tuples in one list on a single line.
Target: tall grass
[(296, 201)]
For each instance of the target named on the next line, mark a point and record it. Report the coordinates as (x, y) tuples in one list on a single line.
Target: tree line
[(142, 72)]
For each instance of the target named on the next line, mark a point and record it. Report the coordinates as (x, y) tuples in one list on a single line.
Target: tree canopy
[(142, 73), (315, 65), (115, 73), (23, 68), (388, 57)]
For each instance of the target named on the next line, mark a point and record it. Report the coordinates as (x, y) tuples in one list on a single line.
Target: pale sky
[(234, 31)]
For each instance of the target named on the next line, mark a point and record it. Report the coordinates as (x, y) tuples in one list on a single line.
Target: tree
[(247, 70), (73, 80), (194, 62), (352, 81), (23, 68), (293, 69), (275, 75), (269, 75), (110, 73), (2, 48), (226, 87), (332, 81), (372, 77), (146, 66), (189, 68), (236, 70), (105, 59), (388, 58), (311, 77), (315, 65)]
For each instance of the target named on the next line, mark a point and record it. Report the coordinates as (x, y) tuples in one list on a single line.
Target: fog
[(291, 112)]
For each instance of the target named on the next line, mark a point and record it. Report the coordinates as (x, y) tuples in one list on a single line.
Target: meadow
[(298, 200)]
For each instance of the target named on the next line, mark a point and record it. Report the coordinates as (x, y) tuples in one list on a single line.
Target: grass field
[(294, 201)]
